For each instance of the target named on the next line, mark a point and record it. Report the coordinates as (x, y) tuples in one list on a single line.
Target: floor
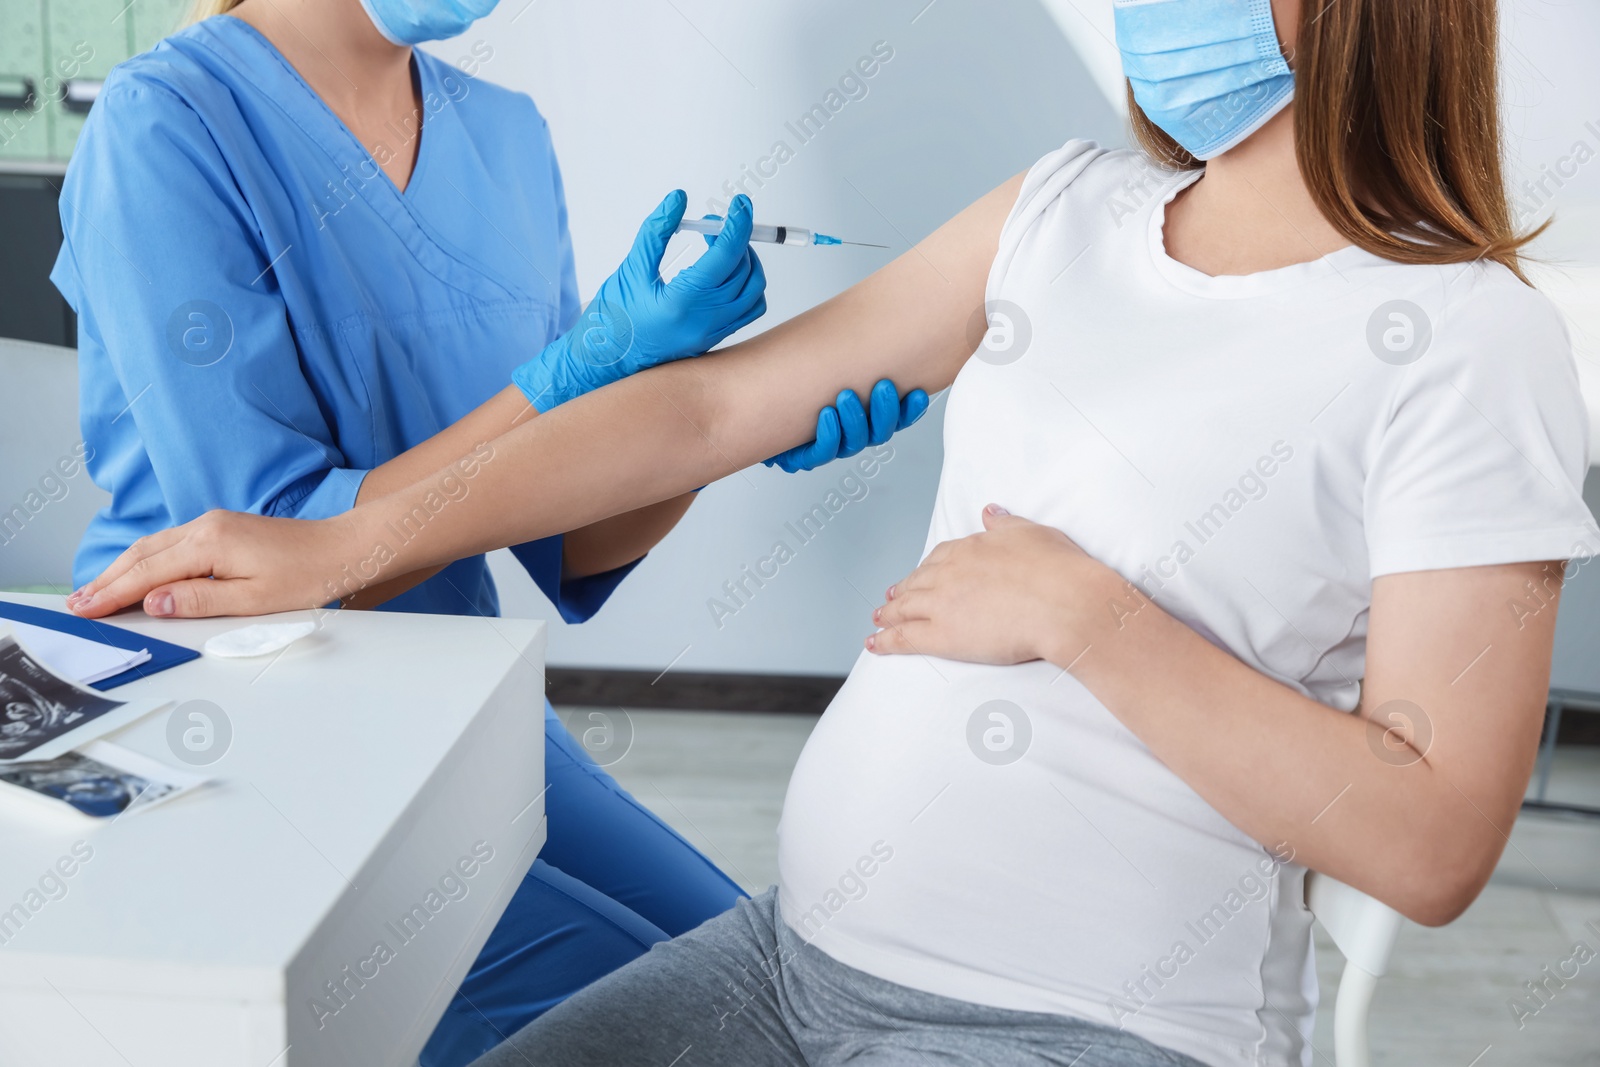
[(719, 779)]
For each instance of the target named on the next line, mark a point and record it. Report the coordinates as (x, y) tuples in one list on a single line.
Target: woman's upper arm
[(1458, 672), (915, 321)]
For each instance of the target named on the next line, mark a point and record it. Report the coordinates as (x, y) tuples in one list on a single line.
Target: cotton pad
[(262, 639)]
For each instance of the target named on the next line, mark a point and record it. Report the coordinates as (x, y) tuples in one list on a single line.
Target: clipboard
[(163, 654)]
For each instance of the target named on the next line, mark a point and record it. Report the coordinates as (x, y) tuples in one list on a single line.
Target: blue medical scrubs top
[(263, 317)]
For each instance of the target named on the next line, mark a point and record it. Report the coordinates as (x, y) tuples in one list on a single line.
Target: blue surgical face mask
[(415, 21), (1208, 72)]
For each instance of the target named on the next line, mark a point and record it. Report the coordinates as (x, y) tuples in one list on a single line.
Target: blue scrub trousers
[(611, 881)]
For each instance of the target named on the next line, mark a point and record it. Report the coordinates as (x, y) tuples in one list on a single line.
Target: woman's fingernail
[(78, 602), (159, 604), (75, 596), (872, 643), (877, 614), (996, 509), (890, 594)]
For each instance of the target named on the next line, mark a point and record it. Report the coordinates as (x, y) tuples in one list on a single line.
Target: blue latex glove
[(846, 428), (637, 320)]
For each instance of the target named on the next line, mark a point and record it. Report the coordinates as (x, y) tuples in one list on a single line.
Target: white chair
[(42, 515), (1365, 931)]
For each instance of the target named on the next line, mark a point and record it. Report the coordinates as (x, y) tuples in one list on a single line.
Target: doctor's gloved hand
[(637, 320), (846, 428)]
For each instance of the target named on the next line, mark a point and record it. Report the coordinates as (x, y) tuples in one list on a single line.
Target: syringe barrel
[(777, 235), (780, 235), (709, 227)]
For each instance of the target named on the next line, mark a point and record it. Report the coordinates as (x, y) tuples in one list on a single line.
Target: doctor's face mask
[(415, 21), (1207, 72)]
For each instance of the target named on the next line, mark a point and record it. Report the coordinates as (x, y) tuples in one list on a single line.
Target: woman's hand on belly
[(1017, 592)]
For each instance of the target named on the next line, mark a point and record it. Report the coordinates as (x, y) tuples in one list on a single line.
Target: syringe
[(776, 235)]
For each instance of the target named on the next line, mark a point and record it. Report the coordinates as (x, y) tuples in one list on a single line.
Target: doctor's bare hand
[(1016, 592), (223, 563)]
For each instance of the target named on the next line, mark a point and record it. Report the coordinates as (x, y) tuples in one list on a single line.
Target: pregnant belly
[(995, 834)]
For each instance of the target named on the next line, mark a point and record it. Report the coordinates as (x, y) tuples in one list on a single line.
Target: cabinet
[(52, 55)]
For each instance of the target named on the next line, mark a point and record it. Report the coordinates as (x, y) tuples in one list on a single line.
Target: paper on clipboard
[(43, 715), (75, 658)]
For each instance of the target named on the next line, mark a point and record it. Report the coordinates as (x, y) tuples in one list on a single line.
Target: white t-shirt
[(1252, 451)]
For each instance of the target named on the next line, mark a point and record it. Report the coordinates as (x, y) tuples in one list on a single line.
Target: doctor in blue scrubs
[(298, 248)]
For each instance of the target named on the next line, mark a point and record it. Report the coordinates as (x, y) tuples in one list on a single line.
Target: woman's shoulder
[(1082, 163), (1083, 174), (1481, 341), (1488, 306)]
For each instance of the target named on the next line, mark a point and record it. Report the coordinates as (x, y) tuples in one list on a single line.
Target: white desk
[(364, 763)]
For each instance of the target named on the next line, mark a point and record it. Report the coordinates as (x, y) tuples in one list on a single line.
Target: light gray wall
[(1575, 665), (46, 496), (645, 96), (1551, 91)]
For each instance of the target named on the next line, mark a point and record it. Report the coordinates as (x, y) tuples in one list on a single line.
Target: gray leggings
[(744, 990)]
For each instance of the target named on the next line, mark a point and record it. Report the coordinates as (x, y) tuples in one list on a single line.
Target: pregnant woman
[(1245, 561), (298, 248)]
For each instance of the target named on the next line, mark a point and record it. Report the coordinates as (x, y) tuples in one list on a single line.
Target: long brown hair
[(1397, 129)]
